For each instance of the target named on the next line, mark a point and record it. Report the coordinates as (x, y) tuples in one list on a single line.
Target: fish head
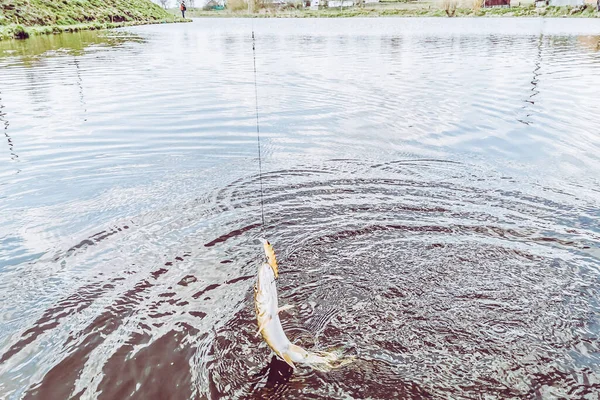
[(272, 260)]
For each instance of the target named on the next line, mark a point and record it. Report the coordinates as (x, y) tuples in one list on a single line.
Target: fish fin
[(288, 360), (285, 308), (261, 327)]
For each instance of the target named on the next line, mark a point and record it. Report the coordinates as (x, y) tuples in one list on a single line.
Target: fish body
[(267, 314)]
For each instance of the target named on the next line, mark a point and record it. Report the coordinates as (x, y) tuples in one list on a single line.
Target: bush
[(477, 4), (237, 5), (450, 7), (292, 5), (19, 32)]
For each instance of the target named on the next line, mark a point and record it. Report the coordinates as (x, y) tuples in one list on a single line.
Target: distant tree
[(164, 3), (191, 3)]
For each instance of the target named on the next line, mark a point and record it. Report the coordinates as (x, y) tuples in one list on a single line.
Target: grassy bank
[(22, 18), (423, 10)]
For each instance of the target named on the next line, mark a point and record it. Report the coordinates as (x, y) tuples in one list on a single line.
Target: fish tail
[(320, 360)]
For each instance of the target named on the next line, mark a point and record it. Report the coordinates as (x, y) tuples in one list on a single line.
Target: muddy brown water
[(430, 186)]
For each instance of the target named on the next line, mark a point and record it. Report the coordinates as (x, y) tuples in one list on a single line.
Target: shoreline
[(494, 12), (18, 32)]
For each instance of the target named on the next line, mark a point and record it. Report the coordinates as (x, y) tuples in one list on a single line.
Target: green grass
[(69, 12), (56, 16)]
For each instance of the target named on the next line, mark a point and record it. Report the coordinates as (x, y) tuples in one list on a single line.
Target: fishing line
[(262, 203)]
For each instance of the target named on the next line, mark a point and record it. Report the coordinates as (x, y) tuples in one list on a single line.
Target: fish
[(269, 325)]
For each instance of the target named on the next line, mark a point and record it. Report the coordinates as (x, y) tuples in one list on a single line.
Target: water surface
[(430, 185)]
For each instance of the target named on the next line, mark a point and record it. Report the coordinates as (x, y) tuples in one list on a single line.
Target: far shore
[(403, 10)]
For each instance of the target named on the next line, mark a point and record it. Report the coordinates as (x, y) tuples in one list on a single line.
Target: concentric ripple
[(439, 286)]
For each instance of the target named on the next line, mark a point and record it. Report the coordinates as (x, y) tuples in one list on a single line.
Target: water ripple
[(435, 216)]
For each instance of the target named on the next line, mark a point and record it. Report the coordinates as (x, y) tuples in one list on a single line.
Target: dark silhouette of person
[(183, 8)]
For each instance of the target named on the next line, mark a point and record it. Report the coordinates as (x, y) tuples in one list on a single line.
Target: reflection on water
[(4, 124), (534, 82), (590, 42), (74, 43), (431, 188), (80, 84)]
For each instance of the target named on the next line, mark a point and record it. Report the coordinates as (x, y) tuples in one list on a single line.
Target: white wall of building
[(340, 3)]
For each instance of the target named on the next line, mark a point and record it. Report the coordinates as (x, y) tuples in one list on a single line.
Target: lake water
[(431, 187)]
